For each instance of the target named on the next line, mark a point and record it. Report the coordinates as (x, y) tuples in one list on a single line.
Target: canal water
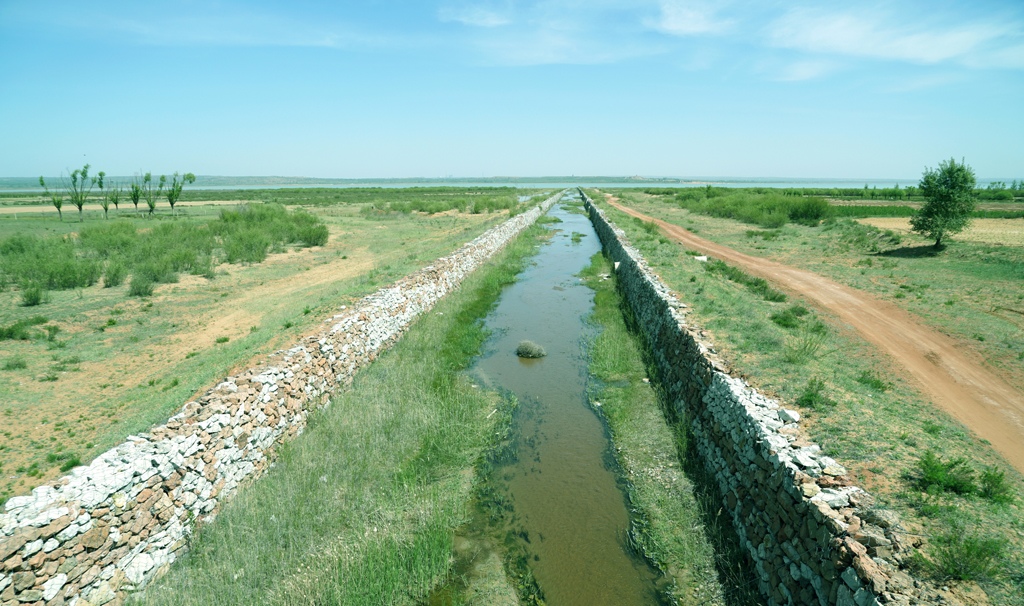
[(568, 512)]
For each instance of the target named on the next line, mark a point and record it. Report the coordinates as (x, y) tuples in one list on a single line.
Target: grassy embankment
[(362, 508), (100, 364), (669, 521), (855, 403)]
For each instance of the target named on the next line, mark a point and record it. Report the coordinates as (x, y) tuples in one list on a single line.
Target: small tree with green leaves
[(173, 192), (55, 197), (104, 201), (78, 188), (114, 196), (135, 191), (949, 200), (149, 194)]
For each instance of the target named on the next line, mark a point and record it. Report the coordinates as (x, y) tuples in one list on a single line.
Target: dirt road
[(954, 378)]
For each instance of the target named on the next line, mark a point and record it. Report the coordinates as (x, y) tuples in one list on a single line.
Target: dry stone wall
[(813, 538), (112, 526)]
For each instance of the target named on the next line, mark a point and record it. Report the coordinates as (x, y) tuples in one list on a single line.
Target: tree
[(149, 194), (174, 191), (55, 197), (79, 187), (135, 191), (949, 200), (114, 196), (104, 200)]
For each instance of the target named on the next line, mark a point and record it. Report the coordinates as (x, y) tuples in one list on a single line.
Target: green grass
[(769, 209), (835, 377), (164, 333), (361, 509), (668, 529)]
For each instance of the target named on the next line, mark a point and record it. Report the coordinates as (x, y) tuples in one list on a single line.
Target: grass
[(110, 398), (669, 531), (529, 349), (842, 385), (361, 509), (756, 285), (769, 209)]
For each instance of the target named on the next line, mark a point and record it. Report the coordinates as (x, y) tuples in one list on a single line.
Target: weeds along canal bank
[(811, 537), (668, 527), (113, 526)]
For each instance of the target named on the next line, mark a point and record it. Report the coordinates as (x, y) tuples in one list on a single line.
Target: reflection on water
[(569, 515)]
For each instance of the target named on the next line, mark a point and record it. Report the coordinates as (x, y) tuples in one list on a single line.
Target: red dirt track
[(955, 379)]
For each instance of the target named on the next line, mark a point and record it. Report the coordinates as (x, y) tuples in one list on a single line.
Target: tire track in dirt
[(955, 379)]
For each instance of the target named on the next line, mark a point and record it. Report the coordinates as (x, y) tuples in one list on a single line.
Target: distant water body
[(229, 183)]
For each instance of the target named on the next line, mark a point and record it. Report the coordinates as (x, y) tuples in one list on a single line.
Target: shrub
[(313, 235), (790, 317), (141, 286), (529, 349), (954, 475), (19, 331), (32, 295), (114, 274), (803, 348), (758, 286), (963, 555), (871, 380), (223, 339), (994, 486), (72, 462), (15, 363), (246, 246), (813, 396)]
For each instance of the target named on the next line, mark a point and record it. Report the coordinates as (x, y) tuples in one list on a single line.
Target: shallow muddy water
[(568, 513)]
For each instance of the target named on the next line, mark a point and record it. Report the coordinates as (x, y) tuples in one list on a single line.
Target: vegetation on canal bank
[(362, 508), (668, 521), (847, 390), (102, 365)]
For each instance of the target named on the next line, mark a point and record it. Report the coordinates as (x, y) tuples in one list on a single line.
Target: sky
[(370, 89)]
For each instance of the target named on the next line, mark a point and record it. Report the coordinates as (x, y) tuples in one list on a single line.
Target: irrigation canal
[(566, 511)]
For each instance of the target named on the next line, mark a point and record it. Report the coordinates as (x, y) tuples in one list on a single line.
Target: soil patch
[(1002, 232)]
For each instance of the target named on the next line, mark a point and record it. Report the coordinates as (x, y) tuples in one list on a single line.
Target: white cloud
[(805, 70), (881, 35), (476, 16), (687, 18)]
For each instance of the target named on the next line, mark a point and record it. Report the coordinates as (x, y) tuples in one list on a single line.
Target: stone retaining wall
[(113, 525), (812, 537)]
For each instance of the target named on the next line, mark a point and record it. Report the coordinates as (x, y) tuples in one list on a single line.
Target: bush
[(141, 286), (965, 556), (15, 363), (19, 331), (994, 486), (804, 347), (813, 396), (758, 286), (790, 317), (114, 274), (32, 295), (529, 349), (313, 235), (871, 380), (954, 475)]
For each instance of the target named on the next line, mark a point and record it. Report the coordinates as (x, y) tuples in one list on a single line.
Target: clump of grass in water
[(529, 349)]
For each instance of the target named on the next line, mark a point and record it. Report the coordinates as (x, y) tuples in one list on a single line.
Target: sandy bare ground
[(1003, 232), (955, 379)]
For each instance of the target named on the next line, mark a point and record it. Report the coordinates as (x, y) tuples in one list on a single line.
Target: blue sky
[(811, 89)]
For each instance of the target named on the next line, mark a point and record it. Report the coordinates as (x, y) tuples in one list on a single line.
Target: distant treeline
[(772, 208), (995, 191)]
